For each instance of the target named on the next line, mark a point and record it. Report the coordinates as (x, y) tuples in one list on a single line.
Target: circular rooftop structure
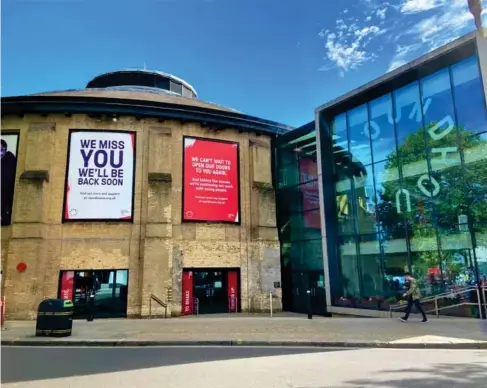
[(143, 81), (139, 93)]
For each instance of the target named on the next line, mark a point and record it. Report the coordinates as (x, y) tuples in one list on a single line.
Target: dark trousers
[(417, 303), (91, 309)]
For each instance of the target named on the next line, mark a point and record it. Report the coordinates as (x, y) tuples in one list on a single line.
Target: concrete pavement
[(243, 329), (242, 368)]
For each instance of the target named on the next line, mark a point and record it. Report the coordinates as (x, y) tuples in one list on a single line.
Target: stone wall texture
[(157, 245)]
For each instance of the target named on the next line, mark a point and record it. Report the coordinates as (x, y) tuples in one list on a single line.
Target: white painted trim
[(324, 245)]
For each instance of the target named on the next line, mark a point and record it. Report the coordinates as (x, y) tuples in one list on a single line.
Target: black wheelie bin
[(55, 318)]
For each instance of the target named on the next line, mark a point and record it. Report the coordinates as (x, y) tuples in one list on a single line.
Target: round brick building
[(136, 189)]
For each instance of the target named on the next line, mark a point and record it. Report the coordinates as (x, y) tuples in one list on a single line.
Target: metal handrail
[(160, 302), (196, 306), (437, 297), (232, 304), (484, 291), (448, 294)]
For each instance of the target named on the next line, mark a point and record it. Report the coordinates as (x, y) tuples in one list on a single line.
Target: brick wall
[(157, 245)]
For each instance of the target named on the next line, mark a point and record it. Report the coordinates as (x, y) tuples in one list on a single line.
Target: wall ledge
[(35, 175), (159, 177), (264, 186), (49, 126)]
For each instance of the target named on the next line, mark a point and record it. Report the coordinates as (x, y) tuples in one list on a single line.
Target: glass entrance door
[(110, 287), (318, 294), (300, 286), (210, 288), (314, 282)]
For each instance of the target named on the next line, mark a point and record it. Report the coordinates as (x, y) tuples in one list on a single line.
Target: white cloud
[(413, 28), (450, 22), (381, 13), (346, 46), (415, 6), (436, 22), (396, 63), (401, 53)]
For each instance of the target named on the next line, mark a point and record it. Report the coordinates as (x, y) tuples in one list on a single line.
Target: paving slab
[(245, 329)]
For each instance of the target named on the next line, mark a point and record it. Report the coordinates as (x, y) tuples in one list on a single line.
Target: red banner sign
[(211, 181), (232, 291), (311, 197), (187, 302), (67, 285), (3, 310)]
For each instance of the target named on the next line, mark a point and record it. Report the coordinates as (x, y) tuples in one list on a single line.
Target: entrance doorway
[(301, 283), (211, 291), (110, 288)]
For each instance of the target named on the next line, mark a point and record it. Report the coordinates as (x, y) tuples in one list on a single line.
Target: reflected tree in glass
[(454, 192)]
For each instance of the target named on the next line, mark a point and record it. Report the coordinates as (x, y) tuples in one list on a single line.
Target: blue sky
[(277, 59)]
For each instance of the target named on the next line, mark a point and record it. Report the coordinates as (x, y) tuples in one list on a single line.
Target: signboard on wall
[(211, 189), (308, 171), (187, 294), (67, 285), (9, 166), (100, 176)]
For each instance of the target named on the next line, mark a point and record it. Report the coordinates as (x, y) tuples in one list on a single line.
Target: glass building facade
[(298, 218), (400, 182)]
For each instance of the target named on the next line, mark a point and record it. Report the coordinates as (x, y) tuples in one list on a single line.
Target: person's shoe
[(424, 321), (402, 319)]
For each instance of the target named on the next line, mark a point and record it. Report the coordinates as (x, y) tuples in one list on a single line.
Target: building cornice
[(21, 105)]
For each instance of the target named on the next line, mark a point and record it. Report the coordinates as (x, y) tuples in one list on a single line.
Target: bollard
[(270, 302), (308, 294), (91, 306)]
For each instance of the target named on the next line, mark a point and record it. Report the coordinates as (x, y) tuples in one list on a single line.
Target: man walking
[(414, 295)]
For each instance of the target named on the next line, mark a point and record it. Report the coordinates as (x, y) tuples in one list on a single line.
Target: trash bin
[(55, 318)]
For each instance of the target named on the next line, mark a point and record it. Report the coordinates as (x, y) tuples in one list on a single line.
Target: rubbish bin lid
[(67, 303), (56, 304)]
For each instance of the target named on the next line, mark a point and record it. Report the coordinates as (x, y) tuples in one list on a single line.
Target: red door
[(187, 294), (232, 291)]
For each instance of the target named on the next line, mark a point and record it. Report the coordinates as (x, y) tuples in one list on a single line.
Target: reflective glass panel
[(344, 206), (408, 118), (358, 132), (339, 133), (365, 201), (469, 96), (349, 274), (382, 129)]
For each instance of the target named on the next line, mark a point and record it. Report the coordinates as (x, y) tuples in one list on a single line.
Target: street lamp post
[(475, 7)]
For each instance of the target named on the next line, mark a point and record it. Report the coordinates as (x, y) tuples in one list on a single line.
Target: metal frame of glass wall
[(412, 196), (298, 220)]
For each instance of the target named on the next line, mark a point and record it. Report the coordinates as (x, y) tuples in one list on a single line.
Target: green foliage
[(462, 190)]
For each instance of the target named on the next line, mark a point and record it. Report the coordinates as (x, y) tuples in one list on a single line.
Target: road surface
[(223, 367)]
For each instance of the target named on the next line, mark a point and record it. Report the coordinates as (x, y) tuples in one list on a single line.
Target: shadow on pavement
[(39, 363), (438, 375)]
